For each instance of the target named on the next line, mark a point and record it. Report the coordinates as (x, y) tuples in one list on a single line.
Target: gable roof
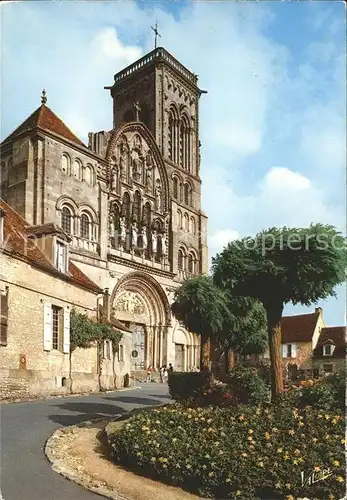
[(335, 335), (44, 119), (18, 244), (299, 328)]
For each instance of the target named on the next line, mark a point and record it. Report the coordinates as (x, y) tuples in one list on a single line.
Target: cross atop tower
[(155, 29), (43, 97)]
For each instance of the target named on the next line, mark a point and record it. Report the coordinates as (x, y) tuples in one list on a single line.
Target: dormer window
[(61, 257), (328, 349)]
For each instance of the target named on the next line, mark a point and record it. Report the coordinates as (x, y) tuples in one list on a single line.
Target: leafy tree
[(202, 308), (84, 333), (246, 333), (278, 266)]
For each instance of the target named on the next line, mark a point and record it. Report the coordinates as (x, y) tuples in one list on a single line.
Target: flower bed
[(238, 452)]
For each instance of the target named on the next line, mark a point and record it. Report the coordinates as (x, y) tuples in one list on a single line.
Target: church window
[(184, 146), (187, 191), (88, 174), (145, 114), (180, 260), (66, 220), (192, 225), (179, 213), (190, 263), (175, 188), (126, 206), (65, 163), (129, 116), (76, 169), (85, 226), (186, 222), (173, 136), (137, 206)]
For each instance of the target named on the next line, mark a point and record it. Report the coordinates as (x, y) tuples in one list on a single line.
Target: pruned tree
[(202, 308), (278, 266), (247, 332)]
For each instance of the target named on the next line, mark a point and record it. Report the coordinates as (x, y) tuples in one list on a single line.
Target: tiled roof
[(299, 328), (44, 118), (118, 325), (335, 335), (16, 242), (45, 229)]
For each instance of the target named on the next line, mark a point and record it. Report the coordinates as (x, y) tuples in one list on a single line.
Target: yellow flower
[(288, 485), (251, 447), (274, 429), (267, 435), (188, 466), (297, 452), (228, 480), (244, 454), (295, 462), (174, 440), (241, 417), (238, 493), (250, 431), (286, 457), (290, 497), (211, 474), (314, 440), (250, 438), (336, 463), (301, 424), (291, 432), (216, 443), (327, 417), (343, 441), (334, 421), (279, 450), (261, 464), (153, 459)]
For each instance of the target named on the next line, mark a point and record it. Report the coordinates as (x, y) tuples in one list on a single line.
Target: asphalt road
[(25, 472)]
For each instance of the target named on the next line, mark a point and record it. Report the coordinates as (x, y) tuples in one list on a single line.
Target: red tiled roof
[(335, 335), (44, 118), (16, 242), (299, 328)]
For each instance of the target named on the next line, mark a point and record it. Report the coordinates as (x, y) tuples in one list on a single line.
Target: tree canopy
[(83, 332), (281, 265)]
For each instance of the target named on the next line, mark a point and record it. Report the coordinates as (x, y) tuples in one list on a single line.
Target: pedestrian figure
[(170, 367), (165, 374), (161, 374), (149, 373)]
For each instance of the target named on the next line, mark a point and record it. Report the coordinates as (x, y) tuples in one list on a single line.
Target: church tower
[(160, 92)]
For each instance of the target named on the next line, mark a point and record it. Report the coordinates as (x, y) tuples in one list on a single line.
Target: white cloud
[(106, 43), (281, 180), (221, 238)]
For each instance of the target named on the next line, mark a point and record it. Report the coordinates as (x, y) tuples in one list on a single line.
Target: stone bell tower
[(163, 94)]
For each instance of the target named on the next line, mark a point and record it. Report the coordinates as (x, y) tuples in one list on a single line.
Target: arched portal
[(141, 304)]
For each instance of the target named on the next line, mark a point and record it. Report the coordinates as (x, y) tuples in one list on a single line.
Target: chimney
[(318, 310)]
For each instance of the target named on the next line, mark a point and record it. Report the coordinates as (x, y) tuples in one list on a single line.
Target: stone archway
[(139, 302), (186, 347)]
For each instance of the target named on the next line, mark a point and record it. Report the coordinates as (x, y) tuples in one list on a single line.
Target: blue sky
[(272, 124)]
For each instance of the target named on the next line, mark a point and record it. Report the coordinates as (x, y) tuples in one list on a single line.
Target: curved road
[(25, 472)]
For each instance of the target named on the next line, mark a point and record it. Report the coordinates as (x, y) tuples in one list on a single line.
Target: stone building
[(129, 201), (39, 287), (329, 355)]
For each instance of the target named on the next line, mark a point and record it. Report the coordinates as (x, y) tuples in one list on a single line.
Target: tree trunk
[(274, 316), (205, 353), (70, 370), (229, 358)]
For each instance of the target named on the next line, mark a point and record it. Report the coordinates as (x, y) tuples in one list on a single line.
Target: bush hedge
[(188, 386), (240, 452)]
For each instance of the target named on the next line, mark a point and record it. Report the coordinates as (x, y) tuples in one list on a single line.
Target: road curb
[(59, 466), (60, 396)]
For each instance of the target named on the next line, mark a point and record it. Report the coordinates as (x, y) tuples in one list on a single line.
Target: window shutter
[(66, 333), (48, 327), (284, 350), (294, 348)]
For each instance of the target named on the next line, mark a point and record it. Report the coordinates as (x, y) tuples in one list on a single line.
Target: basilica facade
[(129, 201)]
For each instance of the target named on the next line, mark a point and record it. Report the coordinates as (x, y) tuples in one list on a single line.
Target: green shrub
[(240, 452), (337, 382), (246, 386), (320, 396), (187, 386)]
